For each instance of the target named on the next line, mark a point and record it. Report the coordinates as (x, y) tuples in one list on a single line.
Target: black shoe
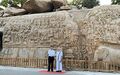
[(57, 71), (60, 71), (48, 71)]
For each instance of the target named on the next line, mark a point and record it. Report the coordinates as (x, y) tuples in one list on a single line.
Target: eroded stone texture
[(108, 54), (80, 33), (40, 31), (58, 3), (100, 26), (24, 52), (41, 53), (38, 6), (83, 48)]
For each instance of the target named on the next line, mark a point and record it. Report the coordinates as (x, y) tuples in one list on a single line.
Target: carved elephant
[(107, 54)]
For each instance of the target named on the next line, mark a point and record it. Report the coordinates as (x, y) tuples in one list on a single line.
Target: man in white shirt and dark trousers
[(51, 55)]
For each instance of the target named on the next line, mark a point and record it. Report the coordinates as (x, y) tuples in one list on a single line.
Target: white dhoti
[(59, 56), (58, 65)]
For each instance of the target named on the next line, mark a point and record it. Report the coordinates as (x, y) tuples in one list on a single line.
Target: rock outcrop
[(38, 6), (12, 11), (35, 6), (79, 32), (107, 54), (58, 3), (101, 27), (33, 32)]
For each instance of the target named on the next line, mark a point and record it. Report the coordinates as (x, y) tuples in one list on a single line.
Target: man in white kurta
[(59, 56)]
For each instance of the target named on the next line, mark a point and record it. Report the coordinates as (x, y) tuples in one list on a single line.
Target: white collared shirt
[(51, 52)]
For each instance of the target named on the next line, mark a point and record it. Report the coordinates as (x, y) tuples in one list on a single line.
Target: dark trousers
[(50, 63)]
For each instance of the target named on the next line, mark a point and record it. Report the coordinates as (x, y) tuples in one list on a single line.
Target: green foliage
[(116, 2), (76, 2), (15, 2), (85, 3), (90, 3), (4, 3)]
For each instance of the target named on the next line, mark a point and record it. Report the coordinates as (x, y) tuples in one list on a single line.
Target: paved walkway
[(31, 71)]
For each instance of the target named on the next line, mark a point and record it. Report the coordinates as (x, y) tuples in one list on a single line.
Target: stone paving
[(31, 71)]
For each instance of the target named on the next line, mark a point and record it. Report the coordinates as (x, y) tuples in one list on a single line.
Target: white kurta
[(59, 55)]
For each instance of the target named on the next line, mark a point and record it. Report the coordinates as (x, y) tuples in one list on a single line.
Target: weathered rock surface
[(65, 8), (40, 31), (108, 54), (38, 6), (83, 49), (79, 32), (58, 3), (11, 11), (101, 27)]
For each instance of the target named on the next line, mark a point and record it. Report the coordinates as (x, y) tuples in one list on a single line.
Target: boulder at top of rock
[(38, 6), (12, 11), (58, 3)]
